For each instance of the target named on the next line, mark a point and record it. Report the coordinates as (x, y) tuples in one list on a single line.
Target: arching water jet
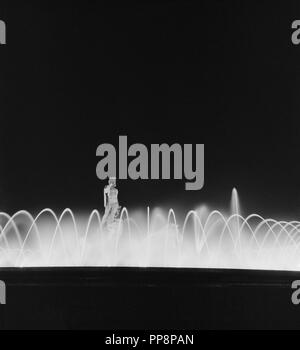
[(152, 238)]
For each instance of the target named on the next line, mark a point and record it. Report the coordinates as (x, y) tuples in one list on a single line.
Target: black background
[(75, 75)]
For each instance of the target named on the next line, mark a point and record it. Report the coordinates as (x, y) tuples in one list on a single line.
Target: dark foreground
[(154, 299)]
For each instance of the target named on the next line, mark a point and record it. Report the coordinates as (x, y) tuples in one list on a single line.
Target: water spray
[(205, 239)]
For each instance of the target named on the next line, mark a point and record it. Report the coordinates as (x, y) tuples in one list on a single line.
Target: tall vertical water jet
[(235, 204), (235, 221)]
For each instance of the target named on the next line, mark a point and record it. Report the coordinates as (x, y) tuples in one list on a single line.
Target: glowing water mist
[(150, 238)]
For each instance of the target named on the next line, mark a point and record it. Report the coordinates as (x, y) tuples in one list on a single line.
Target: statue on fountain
[(111, 204)]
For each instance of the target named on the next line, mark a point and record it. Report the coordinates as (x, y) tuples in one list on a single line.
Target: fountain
[(154, 238), (211, 270)]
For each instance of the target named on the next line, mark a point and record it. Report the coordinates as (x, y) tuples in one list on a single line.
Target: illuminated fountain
[(153, 238)]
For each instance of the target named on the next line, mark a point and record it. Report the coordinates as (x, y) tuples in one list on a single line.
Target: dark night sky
[(223, 73)]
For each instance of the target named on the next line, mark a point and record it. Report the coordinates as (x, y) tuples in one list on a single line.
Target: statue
[(111, 203)]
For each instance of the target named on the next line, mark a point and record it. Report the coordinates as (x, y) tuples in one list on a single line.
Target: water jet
[(221, 270)]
